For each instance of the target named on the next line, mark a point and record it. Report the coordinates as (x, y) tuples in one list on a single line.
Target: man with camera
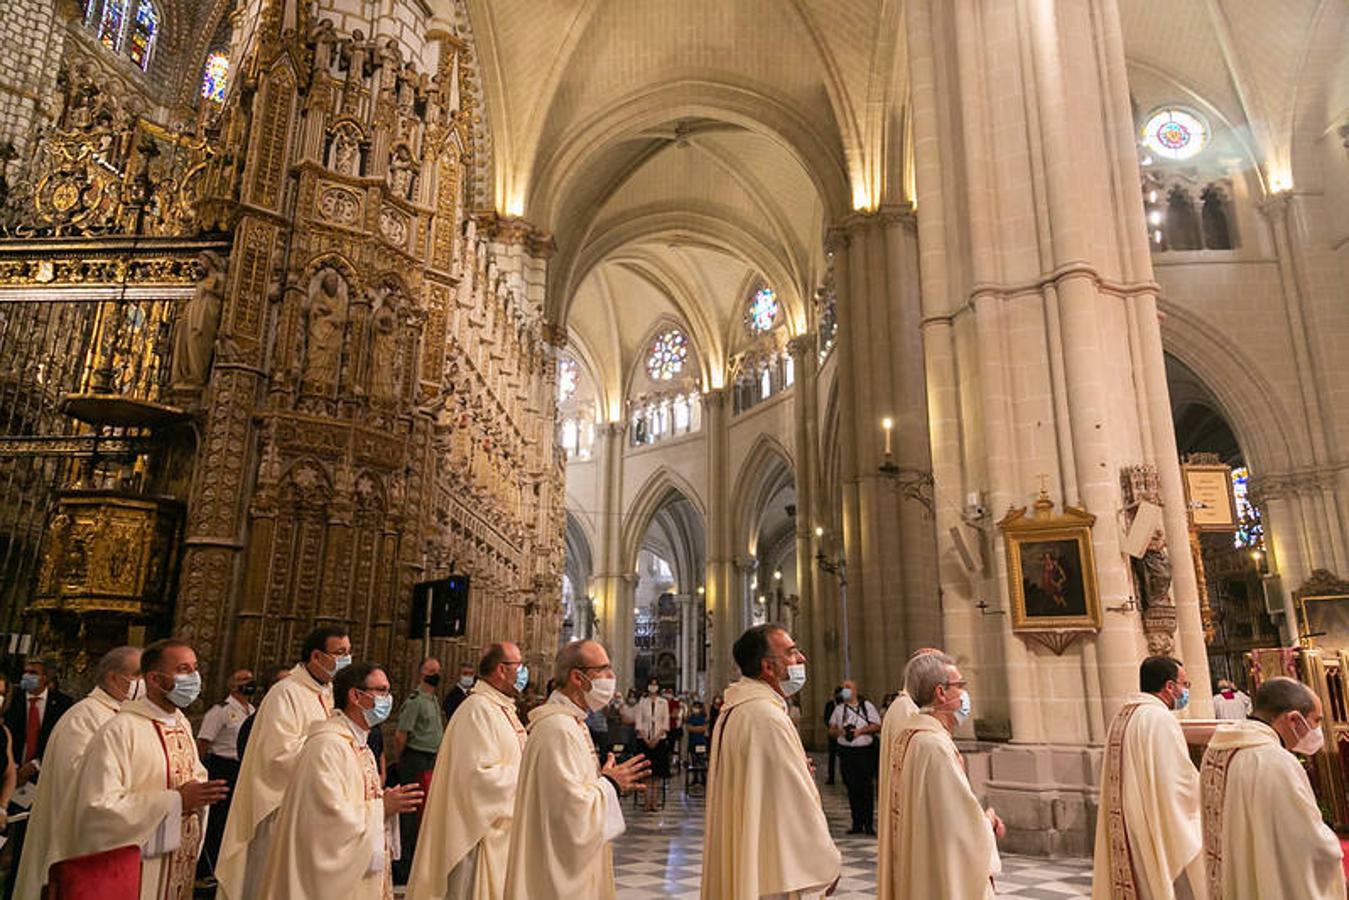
[(854, 724)]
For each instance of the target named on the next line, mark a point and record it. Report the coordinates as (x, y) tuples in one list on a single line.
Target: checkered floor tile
[(661, 855)]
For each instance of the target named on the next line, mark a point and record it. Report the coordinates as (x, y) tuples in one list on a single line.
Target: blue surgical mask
[(380, 711), (1184, 699), (186, 689), (340, 663), (522, 678), (963, 711), (845, 694), (28, 683)]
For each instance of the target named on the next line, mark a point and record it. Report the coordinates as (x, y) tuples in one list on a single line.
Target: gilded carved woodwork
[(369, 385)]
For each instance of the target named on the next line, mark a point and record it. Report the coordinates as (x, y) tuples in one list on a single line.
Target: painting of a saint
[(1051, 579)]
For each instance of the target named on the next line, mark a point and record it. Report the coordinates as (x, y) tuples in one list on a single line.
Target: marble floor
[(661, 856)]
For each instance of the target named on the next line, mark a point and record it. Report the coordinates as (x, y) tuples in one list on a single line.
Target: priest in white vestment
[(1148, 831), (466, 827), (282, 721), (141, 783), (52, 820), (939, 840), (336, 829), (766, 833), (1264, 838), (566, 804)]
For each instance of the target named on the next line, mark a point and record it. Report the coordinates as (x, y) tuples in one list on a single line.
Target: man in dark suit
[(457, 694), (30, 718)]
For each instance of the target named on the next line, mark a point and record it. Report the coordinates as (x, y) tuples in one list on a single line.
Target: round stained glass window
[(667, 355), (1175, 134), (761, 314), (568, 378)]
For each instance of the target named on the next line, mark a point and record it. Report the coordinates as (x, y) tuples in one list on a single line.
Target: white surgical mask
[(1310, 743), (795, 680), (466, 681), (135, 689), (845, 694), (601, 692)]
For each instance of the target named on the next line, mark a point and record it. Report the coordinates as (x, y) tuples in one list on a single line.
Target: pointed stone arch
[(767, 468), (662, 487)]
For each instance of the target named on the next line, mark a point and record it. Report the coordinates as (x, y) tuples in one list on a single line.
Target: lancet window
[(656, 418), (762, 311), (126, 27), (215, 76)]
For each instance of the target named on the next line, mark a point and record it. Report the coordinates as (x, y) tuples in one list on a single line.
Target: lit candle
[(888, 424)]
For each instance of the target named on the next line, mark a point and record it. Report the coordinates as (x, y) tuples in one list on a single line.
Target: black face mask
[(249, 689), (433, 680)]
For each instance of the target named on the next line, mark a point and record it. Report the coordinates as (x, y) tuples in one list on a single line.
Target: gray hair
[(924, 674), (122, 660), (1280, 695), (570, 657)]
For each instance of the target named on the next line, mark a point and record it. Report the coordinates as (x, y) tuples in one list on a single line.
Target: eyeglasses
[(511, 662), (957, 684), (380, 691)]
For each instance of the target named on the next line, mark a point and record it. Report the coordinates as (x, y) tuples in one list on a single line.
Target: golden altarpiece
[(264, 368)]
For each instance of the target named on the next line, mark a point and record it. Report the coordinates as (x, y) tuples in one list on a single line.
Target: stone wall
[(31, 45)]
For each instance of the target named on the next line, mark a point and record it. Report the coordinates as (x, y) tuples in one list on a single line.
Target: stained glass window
[(1175, 134), (89, 7), (761, 313), (668, 353), (1250, 530), (144, 33), (215, 77), (568, 378), (110, 26)]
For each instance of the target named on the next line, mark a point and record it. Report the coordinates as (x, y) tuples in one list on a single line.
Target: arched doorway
[(1243, 604)]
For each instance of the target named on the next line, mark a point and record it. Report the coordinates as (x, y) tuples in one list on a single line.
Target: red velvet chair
[(110, 875)]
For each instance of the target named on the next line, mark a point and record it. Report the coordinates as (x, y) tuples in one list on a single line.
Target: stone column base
[(1046, 794)]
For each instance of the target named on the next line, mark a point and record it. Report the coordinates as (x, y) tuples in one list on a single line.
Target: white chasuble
[(766, 831), (289, 709), (127, 793), (941, 842), (471, 800), (1263, 834), (901, 710), (1148, 831), (330, 839), (51, 825), (565, 814)]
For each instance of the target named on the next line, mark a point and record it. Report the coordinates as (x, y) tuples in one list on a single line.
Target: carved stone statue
[(1156, 572), (384, 352), (326, 311), (345, 156), (194, 337), (402, 172)]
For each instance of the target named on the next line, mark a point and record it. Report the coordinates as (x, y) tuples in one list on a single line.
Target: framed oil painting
[(1051, 572)]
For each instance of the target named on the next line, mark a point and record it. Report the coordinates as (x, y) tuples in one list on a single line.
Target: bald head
[(499, 667), (118, 671)]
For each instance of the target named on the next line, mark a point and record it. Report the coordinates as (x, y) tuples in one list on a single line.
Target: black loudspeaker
[(445, 602)]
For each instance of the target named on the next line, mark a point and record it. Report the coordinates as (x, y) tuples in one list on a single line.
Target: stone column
[(688, 633), (720, 595), (747, 589), (1044, 359), (887, 521), (613, 597)]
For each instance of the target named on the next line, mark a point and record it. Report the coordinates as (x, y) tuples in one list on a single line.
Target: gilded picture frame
[(1051, 569), (1209, 497)]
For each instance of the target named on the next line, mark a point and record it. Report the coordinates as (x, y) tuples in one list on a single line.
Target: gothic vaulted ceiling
[(680, 152)]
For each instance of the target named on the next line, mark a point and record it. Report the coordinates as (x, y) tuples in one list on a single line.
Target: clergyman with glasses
[(941, 841), (567, 809)]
